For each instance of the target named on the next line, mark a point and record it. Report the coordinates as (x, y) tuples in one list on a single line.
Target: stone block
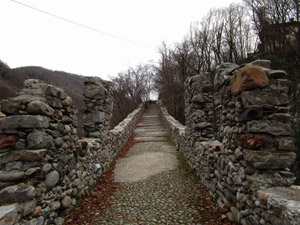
[(17, 193), (22, 155), (253, 113), (97, 166), (54, 102), (31, 82), (252, 142), (52, 91), (261, 98), (24, 121), (262, 62), (9, 141), (272, 127), (200, 83), (248, 78), (13, 175), (277, 74), (285, 202), (283, 117), (28, 207), (51, 179), (95, 117), (10, 107), (286, 144), (201, 125), (68, 101), (223, 72), (10, 214), (198, 99), (27, 98), (14, 166), (38, 140), (94, 91), (66, 202), (41, 108), (269, 160)]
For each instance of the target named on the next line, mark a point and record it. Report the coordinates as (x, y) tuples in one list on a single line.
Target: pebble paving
[(165, 194)]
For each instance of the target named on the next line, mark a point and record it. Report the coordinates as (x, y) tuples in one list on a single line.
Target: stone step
[(153, 119), (151, 134), (150, 129), (151, 115), (150, 123), (150, 119), (151, 139)]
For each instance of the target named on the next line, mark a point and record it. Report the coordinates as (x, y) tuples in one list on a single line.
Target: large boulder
[(248, 78)]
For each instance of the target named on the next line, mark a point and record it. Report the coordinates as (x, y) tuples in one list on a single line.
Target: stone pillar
[(38, 151), (252, 149), (260, 98), (199, 107), (98, 107), (253, 125)]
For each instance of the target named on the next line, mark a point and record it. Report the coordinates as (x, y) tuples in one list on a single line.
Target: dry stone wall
[(239, 141), (174, 128), (44, 167), (98, 106)]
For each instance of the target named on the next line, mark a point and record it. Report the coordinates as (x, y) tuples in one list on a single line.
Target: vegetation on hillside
[(11, 81)]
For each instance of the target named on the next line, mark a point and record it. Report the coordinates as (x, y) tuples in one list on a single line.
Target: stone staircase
[(150, 127)]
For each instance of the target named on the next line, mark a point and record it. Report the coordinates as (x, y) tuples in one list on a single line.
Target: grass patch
[(209, 212), (170, 139), (185, 168)]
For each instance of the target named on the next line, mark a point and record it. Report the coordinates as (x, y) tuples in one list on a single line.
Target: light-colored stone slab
[(140, 167), (151, 139)]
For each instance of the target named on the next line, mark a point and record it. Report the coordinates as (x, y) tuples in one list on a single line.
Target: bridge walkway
[(155, 186)]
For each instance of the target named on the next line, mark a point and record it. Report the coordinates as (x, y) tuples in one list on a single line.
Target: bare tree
[(222, 35), (169, 81), (131, 88)]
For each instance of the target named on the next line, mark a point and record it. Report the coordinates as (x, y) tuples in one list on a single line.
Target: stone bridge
[(237, 139)]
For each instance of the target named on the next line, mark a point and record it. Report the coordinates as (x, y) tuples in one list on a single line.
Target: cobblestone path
[(152, 189)]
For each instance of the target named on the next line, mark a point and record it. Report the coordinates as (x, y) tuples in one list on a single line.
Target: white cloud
[(29, 37)]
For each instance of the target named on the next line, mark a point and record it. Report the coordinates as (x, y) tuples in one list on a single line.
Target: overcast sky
[(29, 37)]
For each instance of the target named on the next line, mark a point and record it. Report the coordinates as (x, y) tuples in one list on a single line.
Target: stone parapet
[(238, 138), (98, 106), (199, 107), (174, 128), (281, 205), (44, 168)]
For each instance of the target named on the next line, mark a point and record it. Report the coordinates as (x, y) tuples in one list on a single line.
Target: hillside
[(11, 80)]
